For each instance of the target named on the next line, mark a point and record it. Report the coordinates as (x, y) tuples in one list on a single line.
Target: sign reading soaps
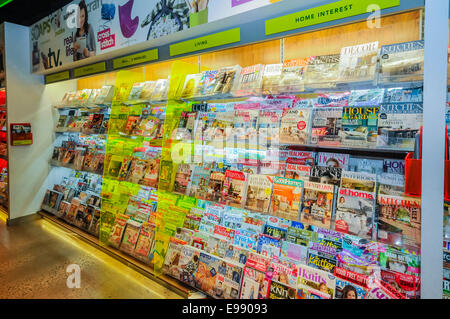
[(330, 12), (86, 28)]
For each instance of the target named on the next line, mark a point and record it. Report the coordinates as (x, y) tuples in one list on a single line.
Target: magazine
[(206, 275), (269, 246), (365, 165), (359, 181), (117, 230), (130, 236), (188, 264), (228, 283), (350, 285), (269, 128), (325, 175), (295, 252), (185, 130), (215, 186), (284, 272), (295, 126), (258, 194), (281, 291), (244, 130), (333, 160), (398, 125), (407, 285), (381, 290), (224, 80), (399, 221), (391, 184), (317, 204), (403, 95), (359, 126), (172, 259), (198, 184), (191, 86), (151, 174), (315, 283), (271, 78), (293, 76), (182, 177), (394, 166), (250, 80), (402, 62), (334, 99), (355, 213), (255, 283), (137, 171), (366, 97), (322, 71), (286, 198), (326, 126), (358, 63)]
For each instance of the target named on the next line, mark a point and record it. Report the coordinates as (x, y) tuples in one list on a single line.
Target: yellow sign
[(90, 69), (61, 76), (142, 57)]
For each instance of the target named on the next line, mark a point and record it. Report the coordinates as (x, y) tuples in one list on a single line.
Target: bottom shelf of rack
[(146, 270)]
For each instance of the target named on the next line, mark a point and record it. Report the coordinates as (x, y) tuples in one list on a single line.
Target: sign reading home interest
[(206, 42), (330, 12)]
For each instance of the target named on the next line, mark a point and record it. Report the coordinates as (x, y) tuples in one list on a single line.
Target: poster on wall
[(86, 28), (21, 134)]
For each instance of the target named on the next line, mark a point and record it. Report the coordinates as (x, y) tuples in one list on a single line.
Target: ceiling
[(27, 12)]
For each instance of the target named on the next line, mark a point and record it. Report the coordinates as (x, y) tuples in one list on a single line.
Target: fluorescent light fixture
[(4, 2)]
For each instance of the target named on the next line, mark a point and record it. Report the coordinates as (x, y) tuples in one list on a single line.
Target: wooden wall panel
[(265, 53), (394, 29), (161, 70)]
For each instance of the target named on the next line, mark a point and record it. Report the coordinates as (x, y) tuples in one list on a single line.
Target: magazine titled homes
[(355, 213), (317, 204), (398, 125), (286, 198)]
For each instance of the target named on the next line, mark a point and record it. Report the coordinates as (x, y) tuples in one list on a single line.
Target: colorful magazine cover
[(255, 283), (145, 243), (407, 285), (355, 213), (258, 194), (394, 166), (366, 97), (403, 95), (323, 255), (271, 78), (172, 259), (317, 205), (359, 181), (332, 99), (398, 125), (326, 126), (399, 221), (269, 128), (350, 285), (188, 264), (358, 63), (151, 175), (206, 275), (130, 236), (245, 133), (315, 283), (402, 62), (228, 281), (234, 185), (380, 290), (215, 186), (191, 86), (284, 272), (295, 126), (269, 246), (333, 160), (182, 178), (359, 126), (281, 291), (198, 184), (325, 175), (250, 81), (117, 230), (137, 171), (286, 198), (391, 184)]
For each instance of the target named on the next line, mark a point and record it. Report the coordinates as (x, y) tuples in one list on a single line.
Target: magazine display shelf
[(175, 240)]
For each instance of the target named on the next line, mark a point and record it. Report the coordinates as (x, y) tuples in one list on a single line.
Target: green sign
[(137, 58), (330, 12), (90, 69), (206, 42), (61, 76)]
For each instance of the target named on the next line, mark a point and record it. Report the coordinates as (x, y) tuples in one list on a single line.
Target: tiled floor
[(34, 257)]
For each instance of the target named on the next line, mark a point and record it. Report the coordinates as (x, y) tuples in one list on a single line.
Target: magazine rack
[(413, 172)]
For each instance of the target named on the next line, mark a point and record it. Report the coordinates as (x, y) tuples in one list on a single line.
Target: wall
[(29, 101)]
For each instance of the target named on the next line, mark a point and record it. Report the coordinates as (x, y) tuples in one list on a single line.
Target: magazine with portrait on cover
[(317, 205)]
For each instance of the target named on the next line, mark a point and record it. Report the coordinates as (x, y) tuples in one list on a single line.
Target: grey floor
[(33, 261)]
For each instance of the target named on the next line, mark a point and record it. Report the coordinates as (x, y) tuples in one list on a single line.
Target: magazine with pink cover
[(315, 283), (286, 273), (255, 283), (117, 230), (234, 185), (408, 285), (317, 205), (145, 242), (381, 290)]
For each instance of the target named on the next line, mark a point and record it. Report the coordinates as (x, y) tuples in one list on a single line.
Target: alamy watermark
[(74, 278)]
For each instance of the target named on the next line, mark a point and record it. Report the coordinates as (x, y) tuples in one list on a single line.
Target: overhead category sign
[(330, 12), (90, 69), (61, 76), (87, 28), (134, 59), (206, 42)]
